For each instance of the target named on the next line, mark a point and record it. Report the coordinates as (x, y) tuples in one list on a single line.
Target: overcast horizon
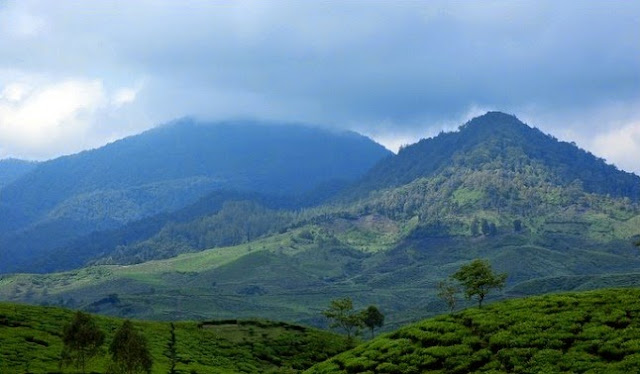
[(76, 76)]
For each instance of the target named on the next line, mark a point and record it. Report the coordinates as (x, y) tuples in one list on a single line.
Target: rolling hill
[(163, 170), (578, 332), (590, 332), (31, 342)]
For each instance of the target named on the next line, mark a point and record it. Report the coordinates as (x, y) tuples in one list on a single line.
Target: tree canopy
[(129, 351), (342, 315), (82, 340), (372, 318), (478, 279)]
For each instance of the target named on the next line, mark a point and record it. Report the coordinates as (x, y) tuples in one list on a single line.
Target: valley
[(497, 198), (387, 238), (319, 187)]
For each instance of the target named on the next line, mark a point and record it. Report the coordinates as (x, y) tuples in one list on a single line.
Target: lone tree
[(447, 292), (342, 315), (372, 318), (129, 351), (82, 340), (478, 279)]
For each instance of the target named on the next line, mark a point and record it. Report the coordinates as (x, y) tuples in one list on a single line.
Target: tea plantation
[(31, 342), (588, 332)]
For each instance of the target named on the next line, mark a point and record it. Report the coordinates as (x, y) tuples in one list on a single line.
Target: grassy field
[(588, 332), (30, 341)]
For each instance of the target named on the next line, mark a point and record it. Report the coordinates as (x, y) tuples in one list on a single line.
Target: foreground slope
[(595, 332), (30, 341)]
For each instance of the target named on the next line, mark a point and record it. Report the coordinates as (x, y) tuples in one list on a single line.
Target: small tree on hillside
[(478, 279), (82, 340), (129, 351), (372, 318), (341, 314), (447, 291)]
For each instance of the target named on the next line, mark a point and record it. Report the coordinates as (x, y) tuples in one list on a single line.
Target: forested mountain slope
[(220, 218), (493, 138), (165, 169)]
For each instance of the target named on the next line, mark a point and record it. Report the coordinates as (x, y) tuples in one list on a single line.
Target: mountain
[(566, 333), (501, 141), (12, 169), (387, 245), (31, 342), (163, 170)]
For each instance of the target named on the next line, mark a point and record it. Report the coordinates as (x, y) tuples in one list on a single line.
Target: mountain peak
[(500, 140), (494, 120)]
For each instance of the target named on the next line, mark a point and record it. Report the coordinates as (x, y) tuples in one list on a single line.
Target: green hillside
[(30, 341), (590, 332), (389, 248), (293, 275)]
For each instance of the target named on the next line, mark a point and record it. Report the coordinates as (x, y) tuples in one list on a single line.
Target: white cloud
[(620, 146), (50, 119), (14, 92)]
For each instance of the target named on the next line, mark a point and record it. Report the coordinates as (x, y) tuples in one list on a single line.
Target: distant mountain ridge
[(165, 169)]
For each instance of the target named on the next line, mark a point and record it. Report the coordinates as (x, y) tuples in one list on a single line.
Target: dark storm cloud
[(390, 69)]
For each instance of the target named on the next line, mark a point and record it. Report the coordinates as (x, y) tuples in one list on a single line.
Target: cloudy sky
[(75, 75)]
